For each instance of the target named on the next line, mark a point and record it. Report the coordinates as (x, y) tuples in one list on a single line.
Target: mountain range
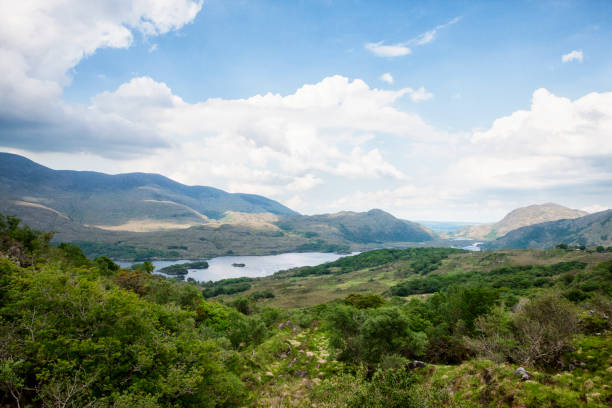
[(141, 215), (152, 213)]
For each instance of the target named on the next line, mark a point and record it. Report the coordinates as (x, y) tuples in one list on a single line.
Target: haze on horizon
[(458, 111)]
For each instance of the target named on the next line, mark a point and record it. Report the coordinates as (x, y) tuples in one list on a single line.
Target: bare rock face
[(523, 374)]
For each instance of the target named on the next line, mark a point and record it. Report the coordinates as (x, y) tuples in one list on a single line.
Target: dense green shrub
[(420, 260), (364, 301)]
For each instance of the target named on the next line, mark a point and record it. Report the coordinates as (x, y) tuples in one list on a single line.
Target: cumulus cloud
[(557, 150), (309, 130), (304, 183), (575, 55), (387, 77), (41, 41), (286, 146)]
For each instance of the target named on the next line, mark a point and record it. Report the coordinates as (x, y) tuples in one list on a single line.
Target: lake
[(255, 266)]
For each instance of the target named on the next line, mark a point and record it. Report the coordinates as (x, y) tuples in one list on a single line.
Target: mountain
[(132, 202), (139, 215), (590, 230), (521, 217), (374, 226)]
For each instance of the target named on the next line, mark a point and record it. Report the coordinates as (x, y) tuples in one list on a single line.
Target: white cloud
[(304, 183), (559, 149), (380, 49), (557, 144), (393, 50), (153, 48), (266, 144), (420, 94), (338, 130), (42, 41), (575, 55), (430, 35), (387, 77)]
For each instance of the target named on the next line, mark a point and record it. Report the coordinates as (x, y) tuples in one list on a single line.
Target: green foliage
[(122, 251), (517, 278), (70, 334), (420, 260), (146, 266), (364, 301), (322, 246), (183, 269), (543, 328), (30, 239), (106, 266), (226, 287), (537, 334), (266, 294), (367, 335), (385, 388), (397, 388)]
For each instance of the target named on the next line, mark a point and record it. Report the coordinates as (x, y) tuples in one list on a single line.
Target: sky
[(431, 110)]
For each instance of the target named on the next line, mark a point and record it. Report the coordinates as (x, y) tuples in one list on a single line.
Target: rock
[(301, 373), (415, 364), (523, 374)]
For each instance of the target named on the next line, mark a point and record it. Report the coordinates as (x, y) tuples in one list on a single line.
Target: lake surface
[(255, 266), (473, 247)]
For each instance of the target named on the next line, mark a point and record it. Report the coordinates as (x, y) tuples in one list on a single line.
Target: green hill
[(591, 230)]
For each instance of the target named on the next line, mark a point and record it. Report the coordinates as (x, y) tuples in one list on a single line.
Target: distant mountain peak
[(520, 217)]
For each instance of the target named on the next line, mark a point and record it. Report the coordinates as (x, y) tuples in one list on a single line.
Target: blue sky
[(236, 49), (171, 87)]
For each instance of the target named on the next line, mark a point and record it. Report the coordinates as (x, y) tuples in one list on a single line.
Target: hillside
[(520, 217), (374, 226), (140, 216), (77, 332), (591, 230), (134, 201)]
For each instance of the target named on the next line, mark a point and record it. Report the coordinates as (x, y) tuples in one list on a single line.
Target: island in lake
[(183, 269), (238, 265)]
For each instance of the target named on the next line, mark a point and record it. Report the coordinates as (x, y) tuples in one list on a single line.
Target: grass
[(291, 291), (295, 368)]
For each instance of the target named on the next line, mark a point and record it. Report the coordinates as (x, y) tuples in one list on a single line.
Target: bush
[(266, 294), (544, 326), (398, 388), (364, 301)]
